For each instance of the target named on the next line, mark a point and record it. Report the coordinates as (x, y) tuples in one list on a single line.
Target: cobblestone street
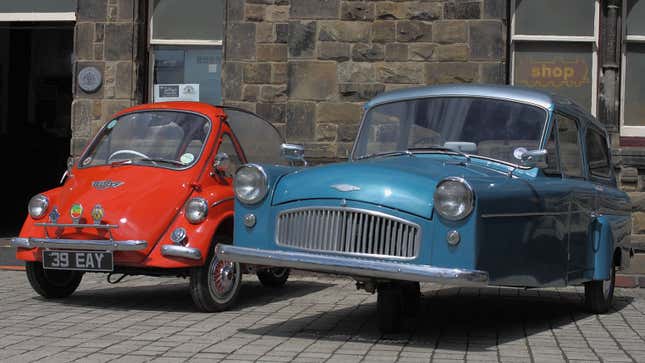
[(312, 319)]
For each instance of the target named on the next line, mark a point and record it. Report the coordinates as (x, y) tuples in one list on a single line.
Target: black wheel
[(388, 308), (599, 294), (410, 298), (52, 284), (274, 276), (215, 286)]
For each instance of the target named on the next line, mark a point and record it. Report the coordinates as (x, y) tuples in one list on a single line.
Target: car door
[(246, 127)]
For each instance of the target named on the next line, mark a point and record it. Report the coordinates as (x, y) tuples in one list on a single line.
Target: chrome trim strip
[(77, 225), (216, 203), (181, 251), (353, 266), (74, 244)]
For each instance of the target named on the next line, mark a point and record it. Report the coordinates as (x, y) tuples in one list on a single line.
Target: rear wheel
[(52, 284), (599, 294), (388, 307), (274, 276), (215, 286)]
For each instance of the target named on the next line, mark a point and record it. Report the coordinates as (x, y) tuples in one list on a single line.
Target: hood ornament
[(345, 187), (97, 214), (76, 211), (54, 215), (106, 184)]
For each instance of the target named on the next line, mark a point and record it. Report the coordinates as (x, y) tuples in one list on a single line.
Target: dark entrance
[(35, 107)]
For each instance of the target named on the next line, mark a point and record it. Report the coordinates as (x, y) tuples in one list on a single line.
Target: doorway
[(35, 112)]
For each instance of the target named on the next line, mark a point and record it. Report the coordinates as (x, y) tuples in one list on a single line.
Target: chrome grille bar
[(348, 231)]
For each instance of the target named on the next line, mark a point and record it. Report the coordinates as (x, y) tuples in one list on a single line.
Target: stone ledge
[(630, 281)]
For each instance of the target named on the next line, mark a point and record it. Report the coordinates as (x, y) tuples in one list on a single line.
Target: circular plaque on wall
[(90, 79)]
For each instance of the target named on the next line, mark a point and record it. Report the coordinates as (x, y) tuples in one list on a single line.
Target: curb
[(630, 281)]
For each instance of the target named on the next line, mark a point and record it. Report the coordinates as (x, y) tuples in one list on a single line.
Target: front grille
[(349, 231)]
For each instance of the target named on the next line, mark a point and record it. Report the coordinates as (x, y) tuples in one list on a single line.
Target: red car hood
[(141, 200)]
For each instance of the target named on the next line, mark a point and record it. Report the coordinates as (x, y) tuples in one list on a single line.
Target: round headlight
[(38, 206), (196, 210), (454, 198), (251, 184)]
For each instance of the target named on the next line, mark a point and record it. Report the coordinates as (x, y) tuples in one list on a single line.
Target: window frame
[(582, 155), (554, 130), (593, 40), (603, 135), (629, 131)]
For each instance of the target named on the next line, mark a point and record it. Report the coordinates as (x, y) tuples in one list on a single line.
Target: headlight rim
[(44, 207), (186, 213), (471, 205), (266, 184)]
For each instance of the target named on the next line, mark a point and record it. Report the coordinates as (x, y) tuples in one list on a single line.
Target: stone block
[(626, 281), (428, 11), (92, 10), (462, 10), (338, 112), (493, 72), (396, 52), (450, 31), (250, 93), (413, 31), (264, 33), (257, 73), (232, 73), (253, 12), (391, 10), (84, 41), (278, 73), (444, 73), (333, 51), (249, 106), (124, 80), (400, 72), (235, 11), (312, 80), (344, 31), (301, 118), (326, 132), (638, 222), (315, 9), (321, 152), (240, 41), (638, 201), (347, 132), (357, 10), (82, 116), (273, 93), (111, 107), (126, 10), (98, 51), (383, 31), (276, 13), (367, 53), (422, 51), (118, 41), (272, 112), (302, 39), (487, 41), (99, 32), (359, 91), (271, 52), (281, 33), (451, 52), (79, 93), (356, 72), (495, 9)]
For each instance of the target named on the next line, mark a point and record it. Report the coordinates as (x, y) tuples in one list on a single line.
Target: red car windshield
[(168, 139)]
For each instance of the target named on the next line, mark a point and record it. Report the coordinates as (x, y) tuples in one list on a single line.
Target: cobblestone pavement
[(312, 319)]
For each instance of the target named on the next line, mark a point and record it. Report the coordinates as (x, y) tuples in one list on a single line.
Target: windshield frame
[(92, 144), (547, 114)]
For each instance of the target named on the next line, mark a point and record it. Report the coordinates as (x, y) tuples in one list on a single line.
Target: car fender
[(603, 245), (29, 229)]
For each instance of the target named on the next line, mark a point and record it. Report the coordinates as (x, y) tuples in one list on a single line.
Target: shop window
[(554, 47), (633, 75), (186, 50)]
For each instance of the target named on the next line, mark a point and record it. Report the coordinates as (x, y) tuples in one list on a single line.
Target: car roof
[(199, 107)]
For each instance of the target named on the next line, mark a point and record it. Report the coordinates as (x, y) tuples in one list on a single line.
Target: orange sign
[(553, 74)]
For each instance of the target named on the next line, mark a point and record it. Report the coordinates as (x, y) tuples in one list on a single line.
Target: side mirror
[(68, 171), (293, 152), (221, 165), (531, 158)]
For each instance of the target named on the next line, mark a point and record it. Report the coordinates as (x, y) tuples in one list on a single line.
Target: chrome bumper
[(73, 244), (353, 266), (181, 251)]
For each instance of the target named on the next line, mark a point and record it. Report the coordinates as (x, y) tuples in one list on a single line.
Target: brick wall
[(309, 65)]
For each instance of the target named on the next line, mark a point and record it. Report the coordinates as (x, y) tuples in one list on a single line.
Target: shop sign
[(555, 73), (176, 92)]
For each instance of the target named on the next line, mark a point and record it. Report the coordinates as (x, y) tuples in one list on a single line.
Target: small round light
[(453, 238), (454, 198), (251, 184), (249, 220), (38, 206), (178, 236), (196, 210)]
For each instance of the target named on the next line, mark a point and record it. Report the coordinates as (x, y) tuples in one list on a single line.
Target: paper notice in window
[(212, 68), (176, 92)]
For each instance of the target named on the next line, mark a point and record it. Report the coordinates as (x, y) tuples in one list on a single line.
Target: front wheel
[(52, 284), (599, 294), (274, 276), (215, 286), (388, 308)]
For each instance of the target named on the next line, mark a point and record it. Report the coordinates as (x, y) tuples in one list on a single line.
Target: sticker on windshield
[(111, 124), (187, 158), (87, 161)]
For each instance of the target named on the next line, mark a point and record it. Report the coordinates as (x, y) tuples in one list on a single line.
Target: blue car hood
[(405, 183)]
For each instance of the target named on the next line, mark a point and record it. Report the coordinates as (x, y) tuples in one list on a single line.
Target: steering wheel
[(132, 152)]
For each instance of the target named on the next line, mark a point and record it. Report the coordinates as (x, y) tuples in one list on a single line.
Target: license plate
[(78, 260)]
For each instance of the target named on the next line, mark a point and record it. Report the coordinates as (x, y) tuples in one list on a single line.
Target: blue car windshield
[(488, 127)]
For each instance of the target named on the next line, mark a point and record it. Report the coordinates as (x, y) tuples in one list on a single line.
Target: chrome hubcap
[(224, 279)]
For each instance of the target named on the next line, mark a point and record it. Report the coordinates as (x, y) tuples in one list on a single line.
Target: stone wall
[(107, 36), (309, 65)]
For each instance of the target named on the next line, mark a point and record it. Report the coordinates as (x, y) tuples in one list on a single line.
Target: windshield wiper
[(162, 160), (388, 153), (441, 148)]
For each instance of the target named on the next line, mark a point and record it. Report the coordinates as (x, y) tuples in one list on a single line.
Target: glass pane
[(562, 68), (228, 147), (37, 6), (260, 141), (597, 153), (634, 114), (188, 19), (555, 17), (635, 16), (188, 74), (569, 147), (553, 167)]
